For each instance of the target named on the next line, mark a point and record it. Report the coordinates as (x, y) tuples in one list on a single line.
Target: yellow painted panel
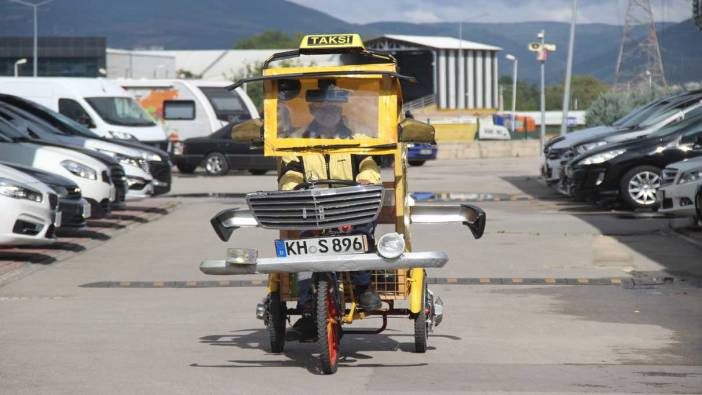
[(455, 132)]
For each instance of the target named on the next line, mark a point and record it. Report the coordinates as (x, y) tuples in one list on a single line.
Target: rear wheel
[(258, 172), (276, 323), (416, 162), (638, 187), (216, 164), (328, 326), (186, 168)]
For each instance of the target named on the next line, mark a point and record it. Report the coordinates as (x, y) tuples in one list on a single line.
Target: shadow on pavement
[(645, 232), (302, 355), (28, 257), (127, 217), (98, 224)]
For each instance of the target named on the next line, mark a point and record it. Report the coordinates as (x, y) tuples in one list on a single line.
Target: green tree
[(614, 104), (584, 90), (527, 95), (269, 40)]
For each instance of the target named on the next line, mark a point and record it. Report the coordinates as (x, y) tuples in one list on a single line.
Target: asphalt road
[(134, 315)]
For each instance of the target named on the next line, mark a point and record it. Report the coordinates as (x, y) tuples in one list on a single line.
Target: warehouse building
[(58, 56), (458, 74)]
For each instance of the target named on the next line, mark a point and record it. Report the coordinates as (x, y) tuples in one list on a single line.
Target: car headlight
[(391, 245), (582, 148), (601, 157), (120, 135), (79, 170), (127, 160), (690, 176), (15, 190), (150, 156)]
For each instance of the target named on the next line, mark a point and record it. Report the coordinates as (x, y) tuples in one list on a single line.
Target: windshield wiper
[(332, 146)]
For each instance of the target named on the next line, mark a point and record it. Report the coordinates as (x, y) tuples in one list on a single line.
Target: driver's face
[(327, 115)]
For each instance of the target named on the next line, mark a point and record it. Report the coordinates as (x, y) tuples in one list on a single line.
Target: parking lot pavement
[(617, 308)]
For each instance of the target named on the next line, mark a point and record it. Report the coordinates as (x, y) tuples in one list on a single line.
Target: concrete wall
[(489, 149)]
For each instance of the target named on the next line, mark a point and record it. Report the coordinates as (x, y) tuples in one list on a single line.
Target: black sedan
[(74, 209), (630, 171), (218, 154)]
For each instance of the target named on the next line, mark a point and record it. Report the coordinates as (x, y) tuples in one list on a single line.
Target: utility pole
[(569, 70), (637, 56), (514, 89), (36, 29), (542, 49)]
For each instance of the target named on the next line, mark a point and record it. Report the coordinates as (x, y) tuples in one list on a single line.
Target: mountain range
[(218, 24)]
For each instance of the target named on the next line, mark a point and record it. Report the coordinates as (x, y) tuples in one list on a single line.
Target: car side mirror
[(86, 121), (249, 132), (413, 131)]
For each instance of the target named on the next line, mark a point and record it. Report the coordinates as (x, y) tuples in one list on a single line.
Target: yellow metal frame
[(389, 105)]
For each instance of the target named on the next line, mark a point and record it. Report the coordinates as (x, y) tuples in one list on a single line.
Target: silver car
[(680, 183)]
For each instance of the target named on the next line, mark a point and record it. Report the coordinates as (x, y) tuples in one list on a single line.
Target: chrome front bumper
[(330, 263)]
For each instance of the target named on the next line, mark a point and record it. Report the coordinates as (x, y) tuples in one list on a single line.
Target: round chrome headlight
[(391, 245)]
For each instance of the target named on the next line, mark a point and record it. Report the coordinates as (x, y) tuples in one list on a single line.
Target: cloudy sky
[(600, 11)]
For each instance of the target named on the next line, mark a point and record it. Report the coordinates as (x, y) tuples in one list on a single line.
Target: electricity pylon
[(639, 61)]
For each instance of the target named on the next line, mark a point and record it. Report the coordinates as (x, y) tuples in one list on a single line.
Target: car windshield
[(122, 111), (8, 131), (342, 108), (691, 119), (60, 122)]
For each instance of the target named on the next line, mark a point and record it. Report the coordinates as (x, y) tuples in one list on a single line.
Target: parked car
[(94, 177), (680, 183), (73, 207), (218, 153), (96, 103), (630, 170), (191, 108), (645, 120), (29, 212), (136, 169), (418, 154), (159, 164)]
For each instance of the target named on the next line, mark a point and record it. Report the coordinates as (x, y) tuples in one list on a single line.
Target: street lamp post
[(34, 6), (542, 60), (569, 68), (17, 64), (514, 88)]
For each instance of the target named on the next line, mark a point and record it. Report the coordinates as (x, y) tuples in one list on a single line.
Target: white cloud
[(420, 16)]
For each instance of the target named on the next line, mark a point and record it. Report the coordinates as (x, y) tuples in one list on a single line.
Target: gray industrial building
[(460, 74), (58, 56)]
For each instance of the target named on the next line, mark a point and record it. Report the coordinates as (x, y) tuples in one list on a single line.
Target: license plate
[(86, 209), (57, 219), (425, 152), (355, 244)]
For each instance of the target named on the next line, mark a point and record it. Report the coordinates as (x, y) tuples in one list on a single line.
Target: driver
[(325, 107)]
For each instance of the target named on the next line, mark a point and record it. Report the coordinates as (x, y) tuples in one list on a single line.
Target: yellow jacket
[(296, 170)]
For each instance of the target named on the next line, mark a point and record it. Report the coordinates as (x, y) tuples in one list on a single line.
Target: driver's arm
[(368, 171), (291, 173)]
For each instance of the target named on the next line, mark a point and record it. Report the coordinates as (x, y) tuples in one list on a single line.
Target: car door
[(691, 142), (240, 155)]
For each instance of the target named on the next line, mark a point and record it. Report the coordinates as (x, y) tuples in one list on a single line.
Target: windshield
[(122, 111), (60, 122), (341, 108), (227, 105), (8, 131), (691, 119)]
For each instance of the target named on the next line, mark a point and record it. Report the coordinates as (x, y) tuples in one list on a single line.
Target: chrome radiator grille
[(316, 208)]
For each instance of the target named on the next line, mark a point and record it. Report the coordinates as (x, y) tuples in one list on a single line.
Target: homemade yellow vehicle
[(319, 217)]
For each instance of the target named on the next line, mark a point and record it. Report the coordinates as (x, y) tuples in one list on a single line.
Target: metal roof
[(439, 42)]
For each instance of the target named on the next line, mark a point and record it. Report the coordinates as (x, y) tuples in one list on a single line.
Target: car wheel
[(186, 168), (638, 187), (416, 162), (216, 164), (258, 172)]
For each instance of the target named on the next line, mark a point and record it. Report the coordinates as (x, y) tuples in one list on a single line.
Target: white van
[(191, 108), (99, 104)]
